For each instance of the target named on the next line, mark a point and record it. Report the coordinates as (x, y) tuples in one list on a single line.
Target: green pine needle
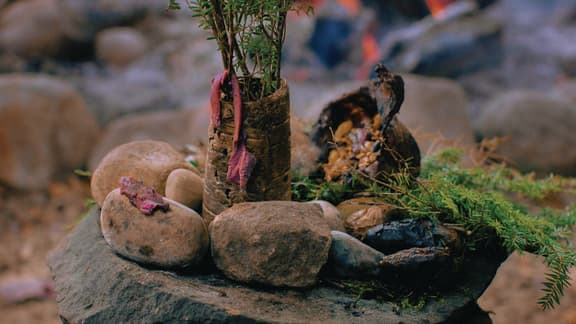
[(477, 199)]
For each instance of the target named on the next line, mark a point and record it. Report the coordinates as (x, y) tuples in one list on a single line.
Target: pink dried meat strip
[(242, 162), (142, 197), (217, 82)]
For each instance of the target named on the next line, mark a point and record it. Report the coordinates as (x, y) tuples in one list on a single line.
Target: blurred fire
[(370, 54), (353, 6), (437, 7)]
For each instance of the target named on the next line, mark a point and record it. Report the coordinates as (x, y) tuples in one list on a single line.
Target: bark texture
[(266, 125)]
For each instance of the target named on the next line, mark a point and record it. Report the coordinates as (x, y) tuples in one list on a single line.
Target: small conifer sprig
[(477, 199), (250, 35)]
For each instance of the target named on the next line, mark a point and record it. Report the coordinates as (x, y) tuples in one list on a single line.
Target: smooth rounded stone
[(82, 19), (350, 258), (177, 128), (277, 243), (148, 161), (120, 46), (409, 233), (331, 215), (185, 187), (94, 285), (350, 206), (176, 238), (45, 130), (359, 222), (31, 29), (539, 128)]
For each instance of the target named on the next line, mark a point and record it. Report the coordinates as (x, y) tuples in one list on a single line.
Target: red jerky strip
[(242, 162), (142, 197), (217, 82), (237, 100), (241, 165)]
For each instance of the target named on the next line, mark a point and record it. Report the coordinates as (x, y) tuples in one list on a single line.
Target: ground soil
[(31, 224)]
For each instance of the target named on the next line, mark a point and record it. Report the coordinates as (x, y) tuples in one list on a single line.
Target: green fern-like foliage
[(478, 200)]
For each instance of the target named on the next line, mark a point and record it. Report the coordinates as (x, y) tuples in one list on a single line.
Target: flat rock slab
[(94, 285)]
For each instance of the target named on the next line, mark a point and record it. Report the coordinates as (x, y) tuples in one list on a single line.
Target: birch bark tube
[(266, 124)]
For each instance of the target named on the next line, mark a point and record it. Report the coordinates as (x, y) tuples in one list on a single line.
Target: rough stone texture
[(120, 46), (275, 243), (185, 187), (93, 285), (45, 128), (176, 128), (24, 31), (540, 129), (331, 215), (148, 161), (176, 238)]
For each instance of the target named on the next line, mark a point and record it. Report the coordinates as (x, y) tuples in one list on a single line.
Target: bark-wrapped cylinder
[(266, 125)]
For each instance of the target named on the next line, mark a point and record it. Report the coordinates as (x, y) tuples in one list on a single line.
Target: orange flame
[(353, 6), (370, 55), (437, 7)]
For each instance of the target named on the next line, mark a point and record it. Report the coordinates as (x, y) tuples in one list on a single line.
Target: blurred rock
[(567, 89), (176, 128), (84, 18), (179, 48), (436, 107), (190, 63), (140, 88), (185, 187), (350, 258), (304, 153), (445, 48), (331, 215), (17, 291), (276, 243), (540, 129), (120, 46), (147, 161), (31, 28), (45, 129), (176, 238)]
